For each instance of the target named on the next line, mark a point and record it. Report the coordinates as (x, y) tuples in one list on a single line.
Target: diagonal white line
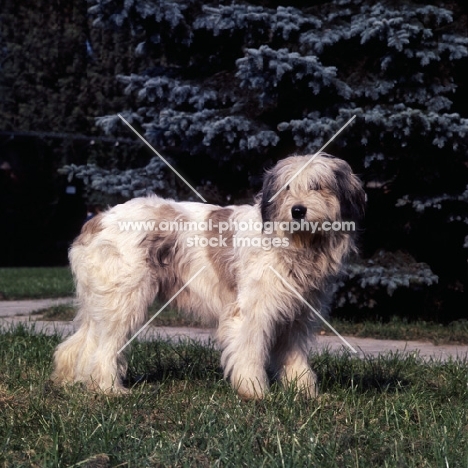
[(159, 155), (318, 314), (161, 309), (312, 158)]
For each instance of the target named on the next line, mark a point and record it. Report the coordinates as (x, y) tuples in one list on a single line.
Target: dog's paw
[(304, 383), (116, 388), (254, 388)]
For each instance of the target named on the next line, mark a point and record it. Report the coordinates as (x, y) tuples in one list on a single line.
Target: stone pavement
[(18, 308), (14, 312)]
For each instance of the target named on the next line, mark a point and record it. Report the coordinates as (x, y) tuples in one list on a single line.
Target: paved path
[(14, 312), (16, 308)]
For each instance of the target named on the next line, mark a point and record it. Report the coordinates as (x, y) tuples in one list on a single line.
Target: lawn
[(394, 412), (35, 283)]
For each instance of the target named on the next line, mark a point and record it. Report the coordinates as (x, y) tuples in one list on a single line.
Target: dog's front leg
[(290, 358), (245, 339)]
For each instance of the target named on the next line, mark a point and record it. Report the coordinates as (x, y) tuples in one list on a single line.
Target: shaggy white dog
[(252, 262)]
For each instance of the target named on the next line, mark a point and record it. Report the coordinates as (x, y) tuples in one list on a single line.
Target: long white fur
[(261, 325)]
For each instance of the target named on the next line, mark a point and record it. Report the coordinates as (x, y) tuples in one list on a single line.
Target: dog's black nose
[(298, 212)]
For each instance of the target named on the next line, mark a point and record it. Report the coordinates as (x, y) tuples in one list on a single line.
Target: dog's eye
[(287, 187)]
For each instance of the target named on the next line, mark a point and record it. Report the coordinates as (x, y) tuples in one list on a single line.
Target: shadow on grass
[(383, 374), (159, 361)]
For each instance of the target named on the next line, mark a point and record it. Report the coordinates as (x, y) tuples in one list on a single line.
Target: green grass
[(35, 283), (393, 412), (60, 312), (400, 329)]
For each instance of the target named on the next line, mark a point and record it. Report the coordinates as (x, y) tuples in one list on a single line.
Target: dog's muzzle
[(298, 211)]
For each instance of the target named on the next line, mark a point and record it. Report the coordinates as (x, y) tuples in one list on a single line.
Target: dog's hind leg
[(114, 296), (92, 354)]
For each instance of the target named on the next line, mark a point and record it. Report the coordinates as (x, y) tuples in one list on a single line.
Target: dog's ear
[(268, 190), (351, 194)]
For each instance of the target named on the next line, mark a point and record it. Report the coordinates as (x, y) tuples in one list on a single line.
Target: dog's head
[(323, 188)]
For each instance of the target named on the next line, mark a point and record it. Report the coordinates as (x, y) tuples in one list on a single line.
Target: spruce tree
[(233, 88)]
